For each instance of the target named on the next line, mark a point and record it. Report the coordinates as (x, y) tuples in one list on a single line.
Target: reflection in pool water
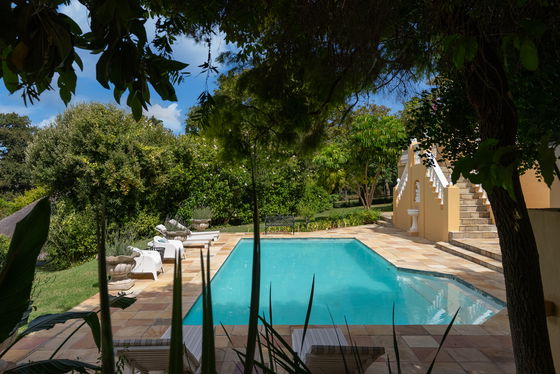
[(351, 281)]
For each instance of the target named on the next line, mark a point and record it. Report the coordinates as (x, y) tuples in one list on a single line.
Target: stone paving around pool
[(482, 348)]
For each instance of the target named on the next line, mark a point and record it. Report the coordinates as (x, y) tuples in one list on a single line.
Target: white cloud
[(170, 116), (186, 50), (78, 12), (46, 121)]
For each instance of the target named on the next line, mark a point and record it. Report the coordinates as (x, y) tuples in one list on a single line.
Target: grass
[(59, 291)]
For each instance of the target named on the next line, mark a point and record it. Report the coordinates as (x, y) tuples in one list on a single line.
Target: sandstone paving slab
[(468, 349)]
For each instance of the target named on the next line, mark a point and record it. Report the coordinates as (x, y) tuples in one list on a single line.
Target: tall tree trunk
[(255, 274), (107, 355), (488, 92)]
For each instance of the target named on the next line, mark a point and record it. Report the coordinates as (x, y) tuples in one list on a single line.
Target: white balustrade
[(436, 176), (482, 193), (401, 183)]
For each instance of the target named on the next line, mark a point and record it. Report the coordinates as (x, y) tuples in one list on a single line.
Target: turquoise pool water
[(351, 281)]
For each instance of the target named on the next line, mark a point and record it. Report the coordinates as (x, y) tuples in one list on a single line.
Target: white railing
[(482, 192), (401, 183), (436, 176)]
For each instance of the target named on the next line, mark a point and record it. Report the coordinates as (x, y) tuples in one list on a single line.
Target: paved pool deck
[(482, 348)]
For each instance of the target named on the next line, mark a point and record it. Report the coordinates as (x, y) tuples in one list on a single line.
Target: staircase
[(477, 238), (475, 218)]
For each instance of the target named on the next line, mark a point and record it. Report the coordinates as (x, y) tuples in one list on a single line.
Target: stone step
[(475, 221), (473, 235), (473, 208), (471, 202), (476, 214), (477, 228), (467, 196), (485, 247), (471, 256)]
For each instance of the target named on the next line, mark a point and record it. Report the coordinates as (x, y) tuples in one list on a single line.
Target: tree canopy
[(94, 154), (15, 134), (305, 56)]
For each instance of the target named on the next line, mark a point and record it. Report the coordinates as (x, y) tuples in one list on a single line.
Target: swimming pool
[(351, 281)]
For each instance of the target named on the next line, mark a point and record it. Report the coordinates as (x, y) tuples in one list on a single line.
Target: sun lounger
[(148, 355), (170, 247), (181, 227), (326, 351), (147, 262), (187, 234)]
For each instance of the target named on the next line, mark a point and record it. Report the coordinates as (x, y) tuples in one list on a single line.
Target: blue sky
[(172, 114)]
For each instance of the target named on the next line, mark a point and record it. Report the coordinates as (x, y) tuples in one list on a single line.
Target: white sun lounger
[(148, 355), (170, 247), (326, 351), (189, 235), (181, 227), (147, 262)]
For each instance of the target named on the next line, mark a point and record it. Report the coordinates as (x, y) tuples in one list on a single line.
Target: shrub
[(335, 220), (314, 200), (202, 213), (71, 237), (368, 216), (4, 245), (143, 224), (117, 242), (12, 205)]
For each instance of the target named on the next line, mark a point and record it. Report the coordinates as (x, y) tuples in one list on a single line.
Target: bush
[(143, 224), (117, 242), (10, 206), (4, 245), (71, 237), (202, 213), (314, 200), (335, 220)]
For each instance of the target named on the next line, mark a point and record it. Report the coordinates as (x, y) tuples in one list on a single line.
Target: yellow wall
[(536, 193), (546, 227), (435, 220)]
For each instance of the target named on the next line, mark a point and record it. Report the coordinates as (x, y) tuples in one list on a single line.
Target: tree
[(375, 144), (479, 44), (98, 155), (15, 134), (361, 150), (46, 42), (308, 56)]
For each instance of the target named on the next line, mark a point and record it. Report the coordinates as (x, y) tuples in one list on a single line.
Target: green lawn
[(58, 291)]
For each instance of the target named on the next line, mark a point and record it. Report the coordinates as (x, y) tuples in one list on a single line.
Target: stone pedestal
[(121, 285), (200, 224), (413, 230), (119, 268)]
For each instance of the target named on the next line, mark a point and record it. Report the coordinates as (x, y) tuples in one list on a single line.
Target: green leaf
[(16, 278), (208, 359), (53, 367), (176, 349), (48, 321), (10, 78), (442, 341), (546, 160), (459, 55), (529, 54), (308, 313)]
